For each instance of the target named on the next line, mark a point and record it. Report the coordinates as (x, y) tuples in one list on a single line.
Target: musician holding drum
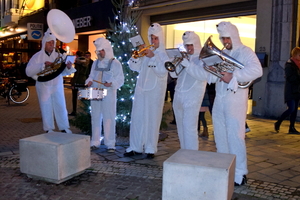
[(106, 74), (50, 89), (149, 95), (230, 104), (189, 92)]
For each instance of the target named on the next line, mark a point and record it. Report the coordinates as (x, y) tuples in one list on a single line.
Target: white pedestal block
[(55, 157), (198, 175)]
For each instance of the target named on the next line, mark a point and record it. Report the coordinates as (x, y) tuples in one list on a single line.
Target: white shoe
[(50, 131), (66, 131), (95, 144)]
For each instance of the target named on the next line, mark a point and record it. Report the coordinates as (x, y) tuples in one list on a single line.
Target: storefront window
[(245, 24)]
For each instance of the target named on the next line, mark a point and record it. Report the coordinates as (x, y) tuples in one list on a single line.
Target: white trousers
[(229, 116), (53, 105), (104, 111)]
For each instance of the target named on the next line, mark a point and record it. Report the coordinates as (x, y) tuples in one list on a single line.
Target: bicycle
[(14, 90)]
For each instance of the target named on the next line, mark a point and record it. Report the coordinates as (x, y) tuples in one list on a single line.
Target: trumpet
[(137, 54), (171, 66)]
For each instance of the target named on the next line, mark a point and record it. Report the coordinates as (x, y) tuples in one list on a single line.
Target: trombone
[(138, 54)]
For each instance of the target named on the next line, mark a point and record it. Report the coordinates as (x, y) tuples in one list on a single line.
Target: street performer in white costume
[(50, 93), (189, 92), (230, 105), (149, 95), (106, 73)]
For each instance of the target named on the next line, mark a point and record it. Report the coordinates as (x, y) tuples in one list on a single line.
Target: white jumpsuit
[(105, 109), (189, 92), (230, 107), (50, 93), (149, 98)]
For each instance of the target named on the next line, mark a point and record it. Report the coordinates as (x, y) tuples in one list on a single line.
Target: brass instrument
[(176, 63), (63, 29), (53, 67), (137, 54), (220, 61)]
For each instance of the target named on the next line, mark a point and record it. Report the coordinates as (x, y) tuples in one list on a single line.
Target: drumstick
[(98, 82)]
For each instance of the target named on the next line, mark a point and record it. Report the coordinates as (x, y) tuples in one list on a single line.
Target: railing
[(141, 3)]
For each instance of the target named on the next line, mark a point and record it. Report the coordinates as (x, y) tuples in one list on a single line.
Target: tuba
[(176, 63), (220, 61), (63, 29)]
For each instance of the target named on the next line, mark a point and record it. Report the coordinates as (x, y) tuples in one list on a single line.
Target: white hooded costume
[(230, 105), (50, 93), (149, 96), (106, 70), (189, 92)]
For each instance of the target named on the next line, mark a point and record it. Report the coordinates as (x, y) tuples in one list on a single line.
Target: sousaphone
[(63, 29)]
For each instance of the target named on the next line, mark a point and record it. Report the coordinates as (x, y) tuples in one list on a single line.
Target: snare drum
[(90, 93)]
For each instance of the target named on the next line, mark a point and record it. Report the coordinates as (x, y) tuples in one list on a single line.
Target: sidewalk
[(273, 162)]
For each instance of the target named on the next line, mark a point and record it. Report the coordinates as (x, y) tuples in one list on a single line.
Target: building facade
[(23, 24), (276, 33), (269, 27)]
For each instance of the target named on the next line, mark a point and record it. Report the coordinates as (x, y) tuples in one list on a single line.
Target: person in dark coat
[(291, 91), (81, 74), (89, 60)]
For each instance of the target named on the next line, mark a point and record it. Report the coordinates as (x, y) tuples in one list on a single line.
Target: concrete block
[(194, 175), (55, 157)]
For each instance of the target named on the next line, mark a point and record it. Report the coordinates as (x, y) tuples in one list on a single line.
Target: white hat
[(48, 36), (190, 37), (156, 29), (104, 44), (227, 29)]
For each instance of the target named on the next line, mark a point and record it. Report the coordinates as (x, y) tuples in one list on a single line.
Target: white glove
[(185, 62), (233, 85)]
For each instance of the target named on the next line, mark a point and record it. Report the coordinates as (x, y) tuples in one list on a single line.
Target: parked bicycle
[(14, 90)]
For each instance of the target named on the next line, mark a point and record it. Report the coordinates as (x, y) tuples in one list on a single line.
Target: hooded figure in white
[(189, 92), (230, 105), (108, 71), (149, 96), (50, 93)]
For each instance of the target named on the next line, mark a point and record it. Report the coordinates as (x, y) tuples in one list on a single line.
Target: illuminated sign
[(35, 31), (82, 22), (29, 3)]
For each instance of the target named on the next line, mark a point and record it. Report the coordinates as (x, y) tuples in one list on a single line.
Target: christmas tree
[(121, 29)]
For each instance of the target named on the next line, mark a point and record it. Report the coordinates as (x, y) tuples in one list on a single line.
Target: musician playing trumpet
[(50, 92), (230, 104), (189, 92), (149, 95)]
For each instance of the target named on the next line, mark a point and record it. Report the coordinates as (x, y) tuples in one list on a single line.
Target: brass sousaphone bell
[(63, 29), (220, 61)]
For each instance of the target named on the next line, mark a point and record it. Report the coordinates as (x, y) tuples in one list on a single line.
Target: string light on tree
[(121, 29)]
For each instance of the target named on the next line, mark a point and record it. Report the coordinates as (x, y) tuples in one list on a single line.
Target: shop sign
[(35, 31), (82, 22)]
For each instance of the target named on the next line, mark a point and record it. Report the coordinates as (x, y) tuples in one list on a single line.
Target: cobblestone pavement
[(273, 162)]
